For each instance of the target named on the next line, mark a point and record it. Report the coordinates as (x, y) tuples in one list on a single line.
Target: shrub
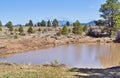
[(45, 30), (59, 32), (0, 28), (21, 30), (39, 29), (69, 30), (30, 30), (11, 28), (64, 31), (85, 28), (77, 29), (56, 62), (16, 36), (112, 34)]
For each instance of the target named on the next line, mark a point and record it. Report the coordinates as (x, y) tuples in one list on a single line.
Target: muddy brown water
[(79, 55)]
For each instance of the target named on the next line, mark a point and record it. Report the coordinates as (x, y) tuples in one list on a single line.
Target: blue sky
[(20, 11)]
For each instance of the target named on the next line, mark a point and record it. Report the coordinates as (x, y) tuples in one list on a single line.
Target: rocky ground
[(53, 71)]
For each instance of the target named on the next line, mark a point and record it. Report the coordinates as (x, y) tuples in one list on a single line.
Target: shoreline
[(40, 71), (9, 48)]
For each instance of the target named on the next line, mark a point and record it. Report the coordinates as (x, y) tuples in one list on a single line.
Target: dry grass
[(30, 71), (27, 71)]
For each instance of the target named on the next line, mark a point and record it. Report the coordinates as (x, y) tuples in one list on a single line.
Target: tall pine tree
[(109, 10)]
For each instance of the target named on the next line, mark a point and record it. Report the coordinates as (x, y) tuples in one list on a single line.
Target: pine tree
[(9, 25), (30, 23), (64, 31), (43, 23), (49, 23), (77, 29), (21, 30), (30, 30), (109, 10), (0, 23), (68, 23), (55, 23), (117, 22), (38, 24)]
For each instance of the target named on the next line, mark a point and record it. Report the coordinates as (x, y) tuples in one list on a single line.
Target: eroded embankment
[(8, 48)]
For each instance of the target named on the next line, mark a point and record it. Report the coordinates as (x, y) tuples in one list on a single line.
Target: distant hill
[(63, 23), (17, 25), (91, 23)]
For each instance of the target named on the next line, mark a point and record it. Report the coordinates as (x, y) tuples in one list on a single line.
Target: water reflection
[(82, 56)]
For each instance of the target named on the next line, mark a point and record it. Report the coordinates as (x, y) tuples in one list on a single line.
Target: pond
[(76, 55)]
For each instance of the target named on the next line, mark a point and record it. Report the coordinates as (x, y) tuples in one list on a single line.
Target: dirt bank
[(8, 48)]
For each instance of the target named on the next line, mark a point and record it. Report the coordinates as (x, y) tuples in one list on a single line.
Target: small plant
[(56, 62), (45, 30), (0, 28), (69, 30), (39, 29), (112, 34), (59, 32), (16, 36)]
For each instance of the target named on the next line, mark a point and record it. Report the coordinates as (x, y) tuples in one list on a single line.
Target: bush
[(0, 28), (21, 30), (45, 30), (56, 62), (30, 30), (85, 28), (69, 30), (112, 34), (64, 31), (16, 36), (77, 30), (39, 29), (11, 28), (59, 32)]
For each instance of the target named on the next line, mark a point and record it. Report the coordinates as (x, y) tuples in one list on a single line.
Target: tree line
[(43, 23), (77, 28)]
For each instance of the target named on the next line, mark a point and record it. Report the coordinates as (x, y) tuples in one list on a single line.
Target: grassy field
[(30, 71), (25, 71)]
